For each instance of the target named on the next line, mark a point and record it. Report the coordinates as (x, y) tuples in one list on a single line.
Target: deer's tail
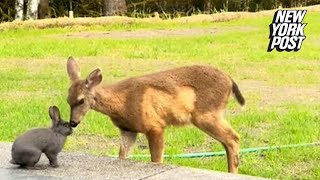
[(237, 94)]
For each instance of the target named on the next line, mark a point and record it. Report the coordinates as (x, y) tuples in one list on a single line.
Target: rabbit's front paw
[(54, 165)]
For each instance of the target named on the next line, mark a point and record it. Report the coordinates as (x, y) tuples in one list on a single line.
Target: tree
[(19, 6), (43, 9), (115, 7), (31, 7), (32, 12), (7, 10)]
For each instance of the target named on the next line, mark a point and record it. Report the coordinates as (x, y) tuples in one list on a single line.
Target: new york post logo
[(286, 30)]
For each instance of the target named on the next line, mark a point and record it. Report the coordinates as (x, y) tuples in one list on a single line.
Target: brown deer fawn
[(148, 104)]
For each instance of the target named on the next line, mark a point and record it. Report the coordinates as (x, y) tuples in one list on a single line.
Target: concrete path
[(82, 166)]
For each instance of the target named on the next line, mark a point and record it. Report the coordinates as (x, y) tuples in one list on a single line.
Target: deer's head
[(81, 91)]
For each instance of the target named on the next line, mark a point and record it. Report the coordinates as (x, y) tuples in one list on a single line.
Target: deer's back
[(172, 96)]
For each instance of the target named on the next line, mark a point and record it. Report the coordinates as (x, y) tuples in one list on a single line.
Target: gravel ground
[(82, 166)]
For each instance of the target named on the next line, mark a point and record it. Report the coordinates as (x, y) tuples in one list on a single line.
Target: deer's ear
[(94, 78), (54, 114), (73, 69)]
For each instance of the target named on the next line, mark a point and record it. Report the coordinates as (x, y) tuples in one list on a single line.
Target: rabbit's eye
[(80, 102)]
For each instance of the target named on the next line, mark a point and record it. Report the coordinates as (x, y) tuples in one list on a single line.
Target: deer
[(147, 104)]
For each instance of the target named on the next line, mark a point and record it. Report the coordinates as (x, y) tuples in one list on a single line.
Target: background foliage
[(166, 8)]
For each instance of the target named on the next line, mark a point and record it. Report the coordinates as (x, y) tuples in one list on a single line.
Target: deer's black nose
[(73, 124)]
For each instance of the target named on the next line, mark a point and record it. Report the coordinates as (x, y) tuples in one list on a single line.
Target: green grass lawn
[(282, 89)]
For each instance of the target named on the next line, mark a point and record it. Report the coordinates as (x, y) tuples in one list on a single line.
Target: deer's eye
[(80, 102)]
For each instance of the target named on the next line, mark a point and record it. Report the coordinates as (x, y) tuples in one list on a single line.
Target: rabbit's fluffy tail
[(13, 161)]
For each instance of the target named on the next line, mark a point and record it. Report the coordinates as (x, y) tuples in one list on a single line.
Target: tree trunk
[(115, 7), (19, 9), (208, 6), (43, 9), (32, 11)]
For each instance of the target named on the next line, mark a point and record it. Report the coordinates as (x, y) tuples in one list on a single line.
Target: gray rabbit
[(27, 149)]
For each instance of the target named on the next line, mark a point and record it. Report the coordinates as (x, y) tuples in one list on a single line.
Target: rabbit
[(27, 149)]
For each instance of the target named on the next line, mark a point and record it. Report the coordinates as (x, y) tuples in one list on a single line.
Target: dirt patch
[(156, 33), (207, 146), (24, 95), (142, 34), (103, 145), (271, 95), (259, 129), (88, 143), (299, 168)]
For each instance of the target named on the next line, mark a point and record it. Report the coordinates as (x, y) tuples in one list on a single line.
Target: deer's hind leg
[(215, 126)]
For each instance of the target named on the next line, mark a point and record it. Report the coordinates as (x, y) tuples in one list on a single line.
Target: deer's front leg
[(156, 144), (128, 139)]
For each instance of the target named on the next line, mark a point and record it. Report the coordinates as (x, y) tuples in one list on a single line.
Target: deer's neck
[(108, 101)]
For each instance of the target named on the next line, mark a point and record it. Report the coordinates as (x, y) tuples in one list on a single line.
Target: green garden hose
[(220, 153)]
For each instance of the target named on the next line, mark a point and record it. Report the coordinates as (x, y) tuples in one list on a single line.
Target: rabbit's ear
[(54, 113)]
